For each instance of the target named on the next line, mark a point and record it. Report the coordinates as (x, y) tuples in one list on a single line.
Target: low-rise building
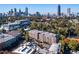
[(27, 48), (55, 48), (16, 25), (8, 39), (46, 41), (43, 36)]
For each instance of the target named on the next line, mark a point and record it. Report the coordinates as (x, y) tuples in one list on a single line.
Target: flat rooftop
[(26, 48), (8, 36), (5, 37), (14, 33)]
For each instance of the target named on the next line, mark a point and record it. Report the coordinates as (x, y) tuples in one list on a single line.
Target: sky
[(42, 8)]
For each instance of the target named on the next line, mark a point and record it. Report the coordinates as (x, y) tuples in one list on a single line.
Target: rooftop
[(26, 48), (8, 36), (14, 33), (5, 37), (42, 32), (16, 22)]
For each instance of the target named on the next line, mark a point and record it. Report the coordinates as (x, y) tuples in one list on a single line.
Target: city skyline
[(42, 8)]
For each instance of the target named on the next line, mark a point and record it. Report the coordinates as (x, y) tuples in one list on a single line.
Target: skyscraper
[(48, 15), (59, 10), (15, 10), (68, 11), (26, 11), (38, 14), (11, 10), (19, 10)]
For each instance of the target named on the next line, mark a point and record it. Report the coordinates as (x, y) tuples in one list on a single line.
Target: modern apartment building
[(46, 40), (42, 36)]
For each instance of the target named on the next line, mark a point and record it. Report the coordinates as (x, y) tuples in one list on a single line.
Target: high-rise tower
[(11, 10), (26, 11), (15, 10), (68, 11), (19, 12), (59, 10)]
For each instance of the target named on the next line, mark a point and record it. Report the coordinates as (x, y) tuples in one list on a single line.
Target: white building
[(16, 25), (55, 48)]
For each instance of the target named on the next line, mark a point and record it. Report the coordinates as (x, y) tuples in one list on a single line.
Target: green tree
[(72, 44), (33, 25), (62, 46), (25, 34)]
